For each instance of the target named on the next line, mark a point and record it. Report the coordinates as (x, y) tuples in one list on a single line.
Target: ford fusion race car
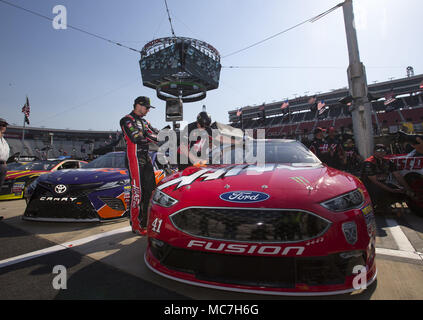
[(21, 176), (99, 191), (292, 226)]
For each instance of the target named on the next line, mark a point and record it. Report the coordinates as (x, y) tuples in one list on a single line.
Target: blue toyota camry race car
[(97, 192)]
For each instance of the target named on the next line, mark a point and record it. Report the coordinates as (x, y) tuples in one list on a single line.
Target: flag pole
[(23, 131), (23, 136)]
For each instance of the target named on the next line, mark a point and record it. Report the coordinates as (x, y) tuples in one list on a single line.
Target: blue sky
[(79, 82)]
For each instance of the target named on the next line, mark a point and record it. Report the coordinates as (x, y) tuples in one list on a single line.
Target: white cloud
[(384, 23)]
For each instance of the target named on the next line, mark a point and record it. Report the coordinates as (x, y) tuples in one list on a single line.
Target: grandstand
[(406, 112), (46, 143)]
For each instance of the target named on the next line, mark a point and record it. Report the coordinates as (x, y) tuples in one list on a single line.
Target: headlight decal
[(348, 201), (113, 184), (162, 199)]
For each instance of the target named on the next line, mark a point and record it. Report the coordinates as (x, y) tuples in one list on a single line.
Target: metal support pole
[(51, 143), (361, 107), (23, 138)]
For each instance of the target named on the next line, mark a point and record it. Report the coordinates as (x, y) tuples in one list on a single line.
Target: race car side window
[(69, 165)]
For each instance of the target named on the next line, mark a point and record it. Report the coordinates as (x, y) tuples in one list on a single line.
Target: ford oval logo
[(244, 196)]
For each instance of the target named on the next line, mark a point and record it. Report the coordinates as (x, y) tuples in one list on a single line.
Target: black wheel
[(27, 184)]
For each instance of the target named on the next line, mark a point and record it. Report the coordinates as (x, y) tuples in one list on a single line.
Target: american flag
[(26, 110), (321, 107), (285, 105), (389, 98)]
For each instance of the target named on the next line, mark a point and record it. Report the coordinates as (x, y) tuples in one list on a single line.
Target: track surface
[(105, 261)]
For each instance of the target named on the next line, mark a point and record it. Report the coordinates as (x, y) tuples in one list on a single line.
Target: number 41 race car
[(291, 227)]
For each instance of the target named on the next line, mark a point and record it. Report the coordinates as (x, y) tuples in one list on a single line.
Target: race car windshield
[(110, 160), (15, 166), (288, 152), (277, 151), (38, 165)]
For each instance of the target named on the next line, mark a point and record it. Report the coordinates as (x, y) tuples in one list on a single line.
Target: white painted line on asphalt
[(399, 254), (399, 236), (31, 255), (79, 242), (60, 247)]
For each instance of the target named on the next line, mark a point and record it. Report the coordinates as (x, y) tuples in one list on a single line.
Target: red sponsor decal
[(413, 163)]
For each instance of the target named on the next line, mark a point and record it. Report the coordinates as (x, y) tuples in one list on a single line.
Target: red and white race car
[(411, 168), (291, 227)]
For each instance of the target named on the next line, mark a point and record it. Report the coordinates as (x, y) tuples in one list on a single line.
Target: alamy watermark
[(219, 148), (60, 20), (60, 282), (360, 280)]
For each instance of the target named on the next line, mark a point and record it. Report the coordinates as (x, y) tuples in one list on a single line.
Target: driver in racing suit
[(138, 133)]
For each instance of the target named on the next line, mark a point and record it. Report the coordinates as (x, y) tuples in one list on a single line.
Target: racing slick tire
[(27, 184)]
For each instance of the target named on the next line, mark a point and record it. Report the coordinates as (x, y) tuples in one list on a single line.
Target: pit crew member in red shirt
[(381, 178)]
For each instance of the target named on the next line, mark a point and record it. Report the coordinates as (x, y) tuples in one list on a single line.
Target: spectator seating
[(335, 111), (387, 119), (325, 124), (309, 116), (413, 115), (306, 127)]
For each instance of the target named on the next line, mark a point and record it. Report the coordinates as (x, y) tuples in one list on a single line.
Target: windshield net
[(110, 160)]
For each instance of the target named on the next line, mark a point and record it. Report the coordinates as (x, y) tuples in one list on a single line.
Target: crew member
[(417, 147), (138, 133), (319, 146), (352, 159), (4, 153), (336, 152), (203, 124), (380, 175)]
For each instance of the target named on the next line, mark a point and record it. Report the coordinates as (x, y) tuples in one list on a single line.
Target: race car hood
[(82, 176), (19, 174), (290, 183)]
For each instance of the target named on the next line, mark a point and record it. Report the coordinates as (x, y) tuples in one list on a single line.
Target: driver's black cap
[(204, 119), (144, 101), (380, 147)]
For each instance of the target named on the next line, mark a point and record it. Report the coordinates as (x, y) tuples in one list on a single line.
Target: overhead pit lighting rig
[(180, 70)]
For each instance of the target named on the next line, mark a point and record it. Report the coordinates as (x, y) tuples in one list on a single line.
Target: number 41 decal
[(157, 223)]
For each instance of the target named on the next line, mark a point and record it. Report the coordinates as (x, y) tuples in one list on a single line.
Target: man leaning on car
[(418, 147), (138, 133), (4, 153), (378, 175)]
